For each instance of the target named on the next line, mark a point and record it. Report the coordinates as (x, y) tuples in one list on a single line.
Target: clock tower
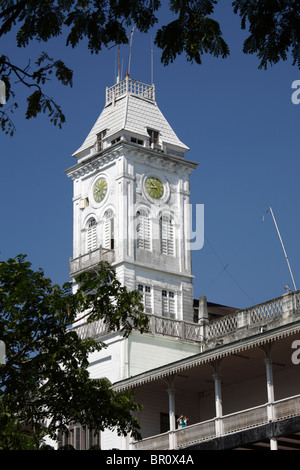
[(131, 207), (132, 201)]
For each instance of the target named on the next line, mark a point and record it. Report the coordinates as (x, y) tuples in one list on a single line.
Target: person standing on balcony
[(182, 421)]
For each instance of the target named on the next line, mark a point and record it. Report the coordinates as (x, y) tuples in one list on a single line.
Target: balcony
[(241, 324), (224, 426), (239, 355), (128, 85), (90, 260)]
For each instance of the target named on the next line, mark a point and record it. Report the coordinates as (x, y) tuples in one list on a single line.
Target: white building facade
[(131, 207), (235, 374)]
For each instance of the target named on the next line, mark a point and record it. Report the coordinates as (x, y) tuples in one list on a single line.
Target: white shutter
[(148, 300), (172, 306), (92, 235), (108, 230), (167, 235), (106, 235), (164, 303), (168, 304), (146, 297), (143, 231)]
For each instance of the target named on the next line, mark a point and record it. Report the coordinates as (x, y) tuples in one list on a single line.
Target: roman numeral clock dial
[(154, 188), (100, 189)]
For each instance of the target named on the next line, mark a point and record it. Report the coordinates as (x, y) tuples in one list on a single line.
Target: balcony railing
[(128, 85), (241, 321), (261, 314), (229, 424), (90, 260)]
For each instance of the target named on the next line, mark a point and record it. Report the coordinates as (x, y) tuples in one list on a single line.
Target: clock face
[(154, 187), (100, 189)]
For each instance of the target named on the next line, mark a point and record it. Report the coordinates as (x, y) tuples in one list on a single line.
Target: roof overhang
[(207, 357)]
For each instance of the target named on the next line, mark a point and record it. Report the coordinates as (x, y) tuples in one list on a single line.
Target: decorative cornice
[(93, 163), (108, 155)]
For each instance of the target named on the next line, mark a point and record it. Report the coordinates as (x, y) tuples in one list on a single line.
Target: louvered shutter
[(167, 235), (143, 231), (168, 304), (92, 235), (108, 230)]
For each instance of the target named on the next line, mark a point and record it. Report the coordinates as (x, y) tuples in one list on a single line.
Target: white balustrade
[(90, 259), (128, 85), (232, 423), (188, 331)]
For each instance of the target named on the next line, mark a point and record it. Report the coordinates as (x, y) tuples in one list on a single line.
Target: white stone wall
[(110, 362), (146, 352)]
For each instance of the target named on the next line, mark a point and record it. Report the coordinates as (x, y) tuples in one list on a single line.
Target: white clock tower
[(132, 208), (132, 201)]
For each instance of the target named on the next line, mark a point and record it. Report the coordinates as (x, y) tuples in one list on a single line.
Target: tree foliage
[(45, 378), (273, 25)]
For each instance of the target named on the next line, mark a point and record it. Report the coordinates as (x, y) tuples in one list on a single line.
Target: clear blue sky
[(241, 127)]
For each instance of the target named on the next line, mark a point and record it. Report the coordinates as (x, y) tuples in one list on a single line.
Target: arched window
[(108, 230), (143, 230), (167, 235), (91, 234)]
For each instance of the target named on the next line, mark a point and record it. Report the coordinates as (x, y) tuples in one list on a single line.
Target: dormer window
[(114, 141), (100, 138), (154, 135), (137, 141)]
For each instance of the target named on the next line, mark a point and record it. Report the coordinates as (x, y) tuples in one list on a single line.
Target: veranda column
[(218, 398), (172, 421), (270, 391)]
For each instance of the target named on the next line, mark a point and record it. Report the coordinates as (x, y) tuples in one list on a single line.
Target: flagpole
[(285, 254)]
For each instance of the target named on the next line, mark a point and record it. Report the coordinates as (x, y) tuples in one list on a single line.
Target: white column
[(218, 398), (270, 392), (172, 421)]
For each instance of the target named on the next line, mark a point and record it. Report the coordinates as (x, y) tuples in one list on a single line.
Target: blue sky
[(241, 127)]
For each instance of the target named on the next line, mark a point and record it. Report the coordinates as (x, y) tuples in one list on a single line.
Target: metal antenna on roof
[(129, 61), (276, 226), (118, 77), (151, 63), (114, 45)]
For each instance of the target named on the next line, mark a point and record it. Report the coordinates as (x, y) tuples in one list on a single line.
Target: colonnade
[(216, 369)]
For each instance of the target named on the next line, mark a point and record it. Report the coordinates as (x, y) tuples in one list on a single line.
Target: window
[(114, 141), (153, 136), (137, 141), (100, 138), (145, 292), (91, 234), (143, 230), (167, 235), (79, 437), (168, 304), (108, 231)]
